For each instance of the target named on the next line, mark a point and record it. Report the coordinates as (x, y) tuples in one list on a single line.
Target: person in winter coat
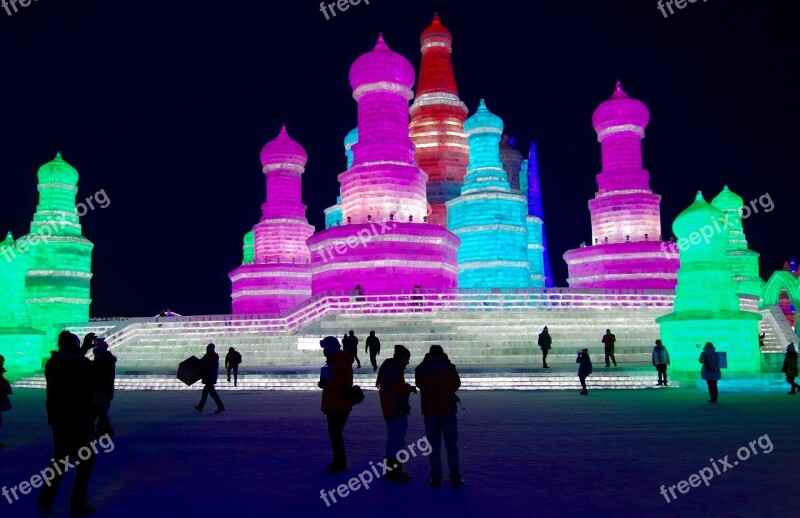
[(437, 379), (608, 341), (373, 347), (394, 393), (350, 344), (790, 368), (210, 363), (71, 413), (661, 362), (5, 391), (232, 361), (584, 369), (710, 370), (105, 365), (545, 343), (336, 378)]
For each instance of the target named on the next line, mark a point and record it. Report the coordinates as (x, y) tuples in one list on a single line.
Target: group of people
[(372, 347), (437, 381)]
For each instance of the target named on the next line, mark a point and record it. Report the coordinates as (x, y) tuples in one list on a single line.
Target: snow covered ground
[(549, 453)]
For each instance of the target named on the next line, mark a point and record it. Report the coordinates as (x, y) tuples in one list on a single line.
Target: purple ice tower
[(280, 275), (384, 244), (626, 249)]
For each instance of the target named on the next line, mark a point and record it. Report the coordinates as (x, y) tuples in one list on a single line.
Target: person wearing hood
[(394, 394), (105, 365), (790, 368), (71, 413), (210, 373), (336, 378), (438, 381), (584, 369), (5, 391), (545, 343), (710, 370), (661, 361), (232, 361)]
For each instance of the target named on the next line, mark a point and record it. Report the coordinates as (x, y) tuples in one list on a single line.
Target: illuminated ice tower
[(279, 276), (537, 236), (626, 250), (384, 244), (489, 218), (437, 122), (742, 261), (706, 305), (57, 283), (512, 161), (333, 214)]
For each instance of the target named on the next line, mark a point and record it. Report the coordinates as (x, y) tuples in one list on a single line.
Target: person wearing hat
[(71, 413), (105, 365), (5, 391), (710, 370), (336, 378), (584, 369), (210, 362), (790, 368), (438, 382), (394, 393)]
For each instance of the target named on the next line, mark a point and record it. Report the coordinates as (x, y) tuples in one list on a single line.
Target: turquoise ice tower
[(742, 261), (706, 306), (333, 214), (275, 272), (19, 342), (489, 218), (57, 281)]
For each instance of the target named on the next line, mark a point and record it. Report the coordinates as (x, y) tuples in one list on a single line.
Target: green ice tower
[(706, 305), (57, 283), (742, 261)]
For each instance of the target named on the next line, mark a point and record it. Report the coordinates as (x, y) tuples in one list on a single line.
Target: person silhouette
[(373, 348), (210, 363), (232, 361)]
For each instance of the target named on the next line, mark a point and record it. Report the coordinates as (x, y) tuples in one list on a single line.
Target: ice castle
[(438, 236)]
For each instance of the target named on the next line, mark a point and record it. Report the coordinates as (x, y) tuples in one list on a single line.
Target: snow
[(532, 453)]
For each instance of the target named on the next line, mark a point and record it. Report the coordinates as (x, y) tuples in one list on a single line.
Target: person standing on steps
[(394, 394), (437, 379), (661, 362), (789, 368), (545, 343), (336, 378), (232, 361), (210, 373), (608, 341), (584, 369), (350, 344), (373, 348), (710, 370)]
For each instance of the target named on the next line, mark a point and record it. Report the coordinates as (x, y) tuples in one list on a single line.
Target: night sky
[(165, 106)]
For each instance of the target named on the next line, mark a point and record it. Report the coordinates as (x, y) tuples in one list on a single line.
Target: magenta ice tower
[(279, 275), (626, 250), (384, 244)]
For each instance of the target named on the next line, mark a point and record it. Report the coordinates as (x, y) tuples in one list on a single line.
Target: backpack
[(238, 357)]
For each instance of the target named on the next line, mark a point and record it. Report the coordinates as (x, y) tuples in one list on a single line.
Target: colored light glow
[(706, 306), (742, 262), (533, 189), (489, 218)]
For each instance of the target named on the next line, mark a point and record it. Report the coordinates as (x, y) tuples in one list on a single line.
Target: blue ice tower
[(534, 226), (488, 217), (537, 237), (333, 214)]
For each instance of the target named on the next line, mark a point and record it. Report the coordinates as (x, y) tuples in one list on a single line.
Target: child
[(5, 391)]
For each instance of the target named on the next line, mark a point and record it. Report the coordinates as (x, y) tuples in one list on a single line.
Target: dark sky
[(166, 105)]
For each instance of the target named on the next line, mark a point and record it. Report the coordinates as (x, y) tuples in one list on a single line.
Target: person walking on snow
[(394, 394), (232, 361), (350, 344), (373, 348), (210, 373)]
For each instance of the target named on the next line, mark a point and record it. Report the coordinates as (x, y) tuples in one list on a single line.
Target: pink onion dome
[(620, 110), (381, 65), (283, 150)]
